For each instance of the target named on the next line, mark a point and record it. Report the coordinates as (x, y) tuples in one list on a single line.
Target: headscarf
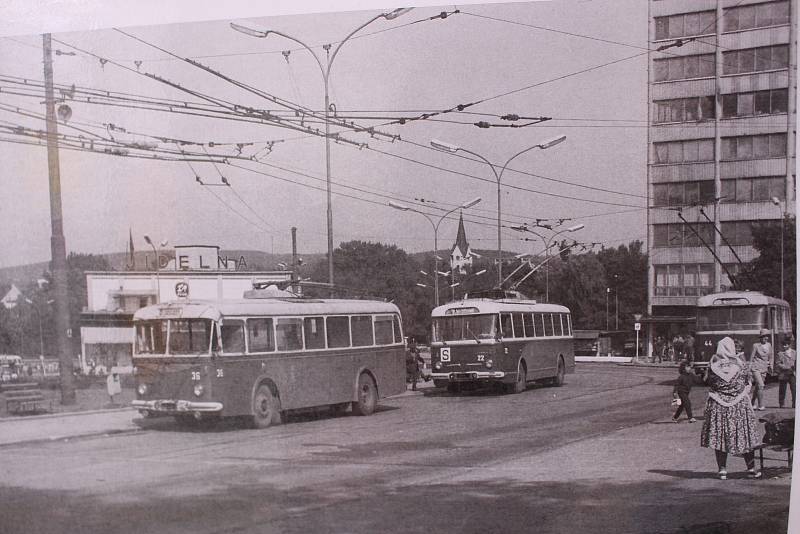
[(725, 363)]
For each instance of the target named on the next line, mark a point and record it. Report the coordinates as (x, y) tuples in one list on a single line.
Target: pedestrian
[(678, 344), (683, 386), (413, 359), (688, 347), (786, 368), (730, 425), (761, 360), (670, 350), (658, 350)]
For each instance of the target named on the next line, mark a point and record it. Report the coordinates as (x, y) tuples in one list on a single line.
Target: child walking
[(683, 386)]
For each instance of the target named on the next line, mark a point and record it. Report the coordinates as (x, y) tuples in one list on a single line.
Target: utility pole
[(58, 245), (295, 278)]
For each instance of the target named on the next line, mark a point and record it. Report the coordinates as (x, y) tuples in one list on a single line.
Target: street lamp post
[(38, 316), (155, 254), (326, 72), (777, 202), (447, 147), (435, 225)]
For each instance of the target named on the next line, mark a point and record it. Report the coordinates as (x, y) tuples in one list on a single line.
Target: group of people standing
[(676, 349), (736, 391)]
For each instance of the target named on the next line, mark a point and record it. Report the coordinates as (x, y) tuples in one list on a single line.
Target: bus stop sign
[(637, 326)]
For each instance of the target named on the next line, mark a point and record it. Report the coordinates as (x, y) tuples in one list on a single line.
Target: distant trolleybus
[(508, 341), (265, 354), (739, 315)]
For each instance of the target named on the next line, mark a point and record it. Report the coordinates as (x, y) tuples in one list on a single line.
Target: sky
[(582, 63)]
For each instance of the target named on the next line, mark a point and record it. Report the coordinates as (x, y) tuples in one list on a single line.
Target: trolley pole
[(58, 245)]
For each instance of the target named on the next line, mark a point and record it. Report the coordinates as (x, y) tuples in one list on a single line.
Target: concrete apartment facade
[(721, 144)]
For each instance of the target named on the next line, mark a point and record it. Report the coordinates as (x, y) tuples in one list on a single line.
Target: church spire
[(461, 237)]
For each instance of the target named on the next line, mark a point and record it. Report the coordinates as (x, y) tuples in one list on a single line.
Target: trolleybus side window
[(189, 336), (548, 324), (527, 320), (558, 327), (314, 332), (361, 326), (289, 333), (338, 331), (518, 330), (384, 329), (260, 335), (232, 335), (505, 325), (567, 325)]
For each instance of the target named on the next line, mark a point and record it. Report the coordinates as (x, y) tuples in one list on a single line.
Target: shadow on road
[(228, 424), (261, 500)]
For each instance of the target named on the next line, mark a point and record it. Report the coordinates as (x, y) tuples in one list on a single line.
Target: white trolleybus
[(739, 315), (501, 337), (265, 354)]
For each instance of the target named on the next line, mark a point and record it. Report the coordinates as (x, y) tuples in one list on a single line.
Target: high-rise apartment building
[(721, 143)]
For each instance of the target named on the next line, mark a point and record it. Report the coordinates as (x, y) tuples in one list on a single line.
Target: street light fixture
[(326, 72), (777, 202), (435, 225), (452, 149)]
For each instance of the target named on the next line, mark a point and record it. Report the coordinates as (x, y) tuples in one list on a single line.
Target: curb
[(113, 432), (13, 419)]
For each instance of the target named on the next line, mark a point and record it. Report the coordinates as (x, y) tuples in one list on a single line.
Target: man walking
[(761, 360)]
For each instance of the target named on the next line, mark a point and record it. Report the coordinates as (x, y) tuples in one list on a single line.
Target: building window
[(689, 151), (755, 16), (686, 25), (684, 280), (757, 103), (692, 109), (740, 233), (683, 193), (683, 235), (684, 68), (754, 147), (755, 59), (753, 189)]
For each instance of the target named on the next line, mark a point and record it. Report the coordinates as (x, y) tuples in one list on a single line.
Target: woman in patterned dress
[(730, 425)]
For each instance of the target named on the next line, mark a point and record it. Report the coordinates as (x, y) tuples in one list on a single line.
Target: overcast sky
[(569, 60)]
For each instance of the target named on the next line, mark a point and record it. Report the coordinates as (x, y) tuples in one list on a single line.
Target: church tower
[(460, 254)]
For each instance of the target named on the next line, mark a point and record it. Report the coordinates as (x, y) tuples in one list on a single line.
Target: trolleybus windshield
[(732, 318), (182, 336), (464, 327)]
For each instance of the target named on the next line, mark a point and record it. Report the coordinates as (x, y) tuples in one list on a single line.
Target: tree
[(383, 271), (764, 272), (77, 265), (625, 269)]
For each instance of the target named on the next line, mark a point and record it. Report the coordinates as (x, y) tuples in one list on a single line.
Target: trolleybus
[(265, 354), (508, 341), (739, 315)]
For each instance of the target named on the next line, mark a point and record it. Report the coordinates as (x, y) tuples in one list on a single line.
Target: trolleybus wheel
[(522, 378), (439, 383), (367, 396), (558, 380), (266, 408)]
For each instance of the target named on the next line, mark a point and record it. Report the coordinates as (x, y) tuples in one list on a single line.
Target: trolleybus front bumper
[(177, 406), (469, 376)]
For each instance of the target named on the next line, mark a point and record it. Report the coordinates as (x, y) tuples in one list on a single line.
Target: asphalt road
[(596, 455)]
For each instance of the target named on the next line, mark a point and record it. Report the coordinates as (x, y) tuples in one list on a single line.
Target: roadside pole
[(58, 245)]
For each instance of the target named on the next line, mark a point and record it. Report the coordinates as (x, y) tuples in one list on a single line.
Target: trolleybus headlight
[(489, 364), (142, 389), (198, 390), (437, 365)]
